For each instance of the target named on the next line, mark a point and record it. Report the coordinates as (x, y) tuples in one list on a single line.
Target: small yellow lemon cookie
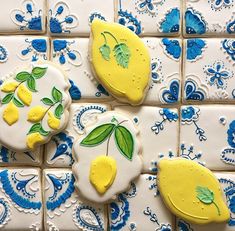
[(121, 61), (191, 191)]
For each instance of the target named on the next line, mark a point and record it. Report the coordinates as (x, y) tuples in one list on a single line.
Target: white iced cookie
[(107, 158), (34, 102)]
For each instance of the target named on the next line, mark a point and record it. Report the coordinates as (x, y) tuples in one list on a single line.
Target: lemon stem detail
[(110, 34), (217, 207)]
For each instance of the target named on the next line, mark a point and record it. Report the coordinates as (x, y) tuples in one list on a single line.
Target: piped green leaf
[(98, 135), (7, 98), (105, 52), (43, 132), (122, 54), (59, 111), (56, 94), (38, 72), (17, 102), (205, 195), (124, 141), (35, 128), (22, 76), (31, 84), (47, 101)]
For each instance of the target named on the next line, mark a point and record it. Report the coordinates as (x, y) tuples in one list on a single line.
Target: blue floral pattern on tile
[(184, 226), (3, 54), (192, 92), (74, 91), (36, 48), (164, 227), (153, 184), (64, 144), (156, 67), (19, 190), (171, 22), (61, 20), (219, 4), (96, 15), (60, 196), (229, 191), (29, 18), (195, 48), (218, 75), (167, 115), (229, 47), (171, 95), (148, 6), (190, 115), (5, 212), (87, 218), (194, 22), (172, 48), (231, 27)]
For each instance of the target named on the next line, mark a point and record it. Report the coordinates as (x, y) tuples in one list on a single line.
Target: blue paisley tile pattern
[(229, 47), (194, 22), (195, 48), (171, 95), (192, 92), (17, 190), (231, 27), (172, 48), (171, 22), (74, 91), (5, 212), (3, 54), (219, 4), (58, 197)]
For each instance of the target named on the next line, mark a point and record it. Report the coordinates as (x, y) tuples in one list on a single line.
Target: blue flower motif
[(231, 134), (171, 22), (195, 48), (194, 22), (164, 227), (74, 91), (120, 212), (171, 95), (148, 6), (28, 18), (5, 212), (190, 154), (62, 51), (229, 46), (60, 19), (192, 92), (172, 48), (218, 4), (96, 15), (156, 71), (184, 226), (218, 75), (132, 226), (231, 27), (36, 48), (3, 54)]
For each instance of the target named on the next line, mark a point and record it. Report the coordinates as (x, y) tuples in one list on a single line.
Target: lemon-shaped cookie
[(191, 191), (120, 61)]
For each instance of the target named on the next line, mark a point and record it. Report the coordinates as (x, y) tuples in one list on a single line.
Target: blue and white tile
[(140, 208), (64, 209), (166, 70), (150, 17), (227, 181), (158, 132), (207, 135), (23, 17), (73, 56), (209, 74), (58, 152), (18, 51), (20, 199), (209, 18), (69, 17)]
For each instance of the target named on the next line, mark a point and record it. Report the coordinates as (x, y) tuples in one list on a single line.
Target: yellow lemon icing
[(36, 113), (9, 86), (33, 139), (24, 95), (102, 173), (191, 191), (120, 60), (52, 121), (11, 114)]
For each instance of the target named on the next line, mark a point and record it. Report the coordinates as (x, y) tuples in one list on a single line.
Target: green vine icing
[(121, 50), (30, 79), (122, 136), (206, 196), (55, 100)]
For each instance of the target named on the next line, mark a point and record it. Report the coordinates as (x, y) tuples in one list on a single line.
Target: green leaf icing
[(47, 101), (7, 98), (56, 94), (17, 102), (31, 84), (35, 128), (38, 72), (122, 54), (105, 52), (22, 76), (59, 111)]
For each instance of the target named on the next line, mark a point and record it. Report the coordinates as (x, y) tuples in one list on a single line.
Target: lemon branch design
[(121, 50), (38, 113), (122, 136)]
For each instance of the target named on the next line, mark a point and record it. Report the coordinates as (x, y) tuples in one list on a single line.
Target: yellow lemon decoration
[(33, 139), (102, 173), (24, 95), (9, 87), (191, 191), (52, 121), (36, 113), (120, 60), (11, 114)]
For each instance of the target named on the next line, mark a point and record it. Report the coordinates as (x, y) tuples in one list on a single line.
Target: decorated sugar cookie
[(34, 102), (196, 197), (107, 157), (120, 61)]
